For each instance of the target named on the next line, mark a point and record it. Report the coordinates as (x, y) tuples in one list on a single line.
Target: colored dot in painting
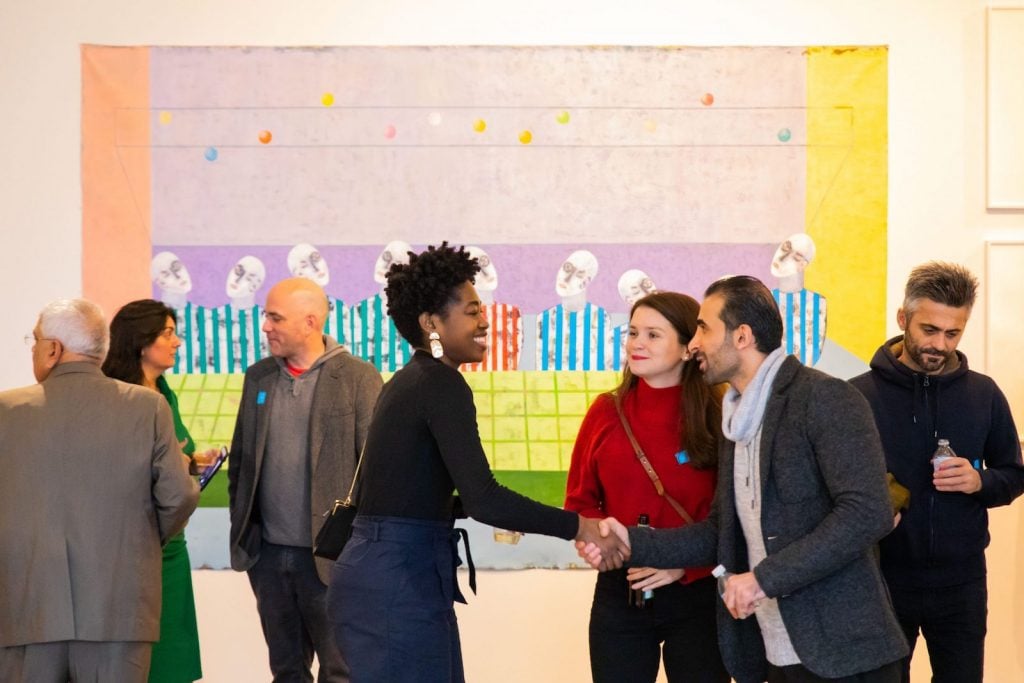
[(327, 99), (563, 117), (390, 132), (707, 99), (165, 118), (479, 125), (526, 137), (434, 119), (785, 134), (265, 137), (210, 153), (650, 125)]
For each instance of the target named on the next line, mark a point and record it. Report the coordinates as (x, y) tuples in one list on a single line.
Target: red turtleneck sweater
[(606, 479)]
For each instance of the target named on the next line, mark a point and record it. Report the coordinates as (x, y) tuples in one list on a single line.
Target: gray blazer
[(343, 400), (825, 504), (93, 481)]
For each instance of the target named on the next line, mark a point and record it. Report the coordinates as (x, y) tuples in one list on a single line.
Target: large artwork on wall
[(581, 175)]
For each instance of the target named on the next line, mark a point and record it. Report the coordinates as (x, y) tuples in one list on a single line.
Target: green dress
[(176, 654)]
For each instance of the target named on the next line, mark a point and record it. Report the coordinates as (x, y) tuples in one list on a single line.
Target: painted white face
[(793, 255), (304, 260), (634, 285), (576, 273), (170, 274), (487, 279), (396, 251), (246, 277)]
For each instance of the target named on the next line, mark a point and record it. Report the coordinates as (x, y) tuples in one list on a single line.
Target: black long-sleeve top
[(423, 443)]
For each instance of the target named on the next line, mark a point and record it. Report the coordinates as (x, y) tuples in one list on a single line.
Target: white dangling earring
[(436, 350)]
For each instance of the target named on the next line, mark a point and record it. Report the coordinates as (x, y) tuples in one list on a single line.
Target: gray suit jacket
[(825, 504), (346, 392), (93, 481)]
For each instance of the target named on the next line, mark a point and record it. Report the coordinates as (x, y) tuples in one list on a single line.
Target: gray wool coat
[(343, 401), (825, 505)]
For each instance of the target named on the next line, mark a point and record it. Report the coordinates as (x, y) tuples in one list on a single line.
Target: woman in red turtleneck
[(677, 420)]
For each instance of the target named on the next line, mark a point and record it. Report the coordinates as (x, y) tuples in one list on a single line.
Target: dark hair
[(949, 284), (748, 302), (700, 411), (427, 284), (136, 326)]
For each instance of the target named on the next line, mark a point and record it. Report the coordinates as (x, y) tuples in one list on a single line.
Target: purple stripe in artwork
[(526, 272)]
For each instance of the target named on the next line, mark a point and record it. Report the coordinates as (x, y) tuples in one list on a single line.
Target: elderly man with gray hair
[(94, 481)]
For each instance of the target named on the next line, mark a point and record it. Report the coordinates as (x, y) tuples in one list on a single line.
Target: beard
[(928, 358)]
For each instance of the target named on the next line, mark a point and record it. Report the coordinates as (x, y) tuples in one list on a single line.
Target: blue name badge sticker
[(261, 398), (682, 457)]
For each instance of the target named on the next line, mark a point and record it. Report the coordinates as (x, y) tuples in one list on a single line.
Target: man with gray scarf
[(800, 504)]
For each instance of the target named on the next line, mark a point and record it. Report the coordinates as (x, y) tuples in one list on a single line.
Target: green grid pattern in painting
[(528, 422)]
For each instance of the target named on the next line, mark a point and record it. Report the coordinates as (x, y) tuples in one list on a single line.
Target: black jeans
[(292, 603), (953, 623), (797, 673), (627, 643)]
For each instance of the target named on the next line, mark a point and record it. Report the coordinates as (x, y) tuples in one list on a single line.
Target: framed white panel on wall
[(1004, 332), (1005, 108)]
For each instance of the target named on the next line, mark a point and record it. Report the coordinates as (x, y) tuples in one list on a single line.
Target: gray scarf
[(742, 414)]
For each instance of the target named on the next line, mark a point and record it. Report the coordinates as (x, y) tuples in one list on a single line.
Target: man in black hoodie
[(921, 390)]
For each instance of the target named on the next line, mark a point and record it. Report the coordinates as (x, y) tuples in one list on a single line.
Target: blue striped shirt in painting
[(374, 338), (572, 340), (803, 323)]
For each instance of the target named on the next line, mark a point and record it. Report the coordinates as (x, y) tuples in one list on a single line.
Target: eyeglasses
[(31, 340)]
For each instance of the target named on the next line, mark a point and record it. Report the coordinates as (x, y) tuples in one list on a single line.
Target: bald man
[(301, 424)]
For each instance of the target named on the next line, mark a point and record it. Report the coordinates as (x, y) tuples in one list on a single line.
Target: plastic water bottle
[(722, 576), (942, 454), (636, 597)]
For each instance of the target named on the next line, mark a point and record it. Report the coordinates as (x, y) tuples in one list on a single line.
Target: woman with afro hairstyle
[(392, 589)]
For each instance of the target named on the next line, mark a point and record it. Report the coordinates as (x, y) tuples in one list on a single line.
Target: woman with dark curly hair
[(392, 589), (677, 420), (143, 345)]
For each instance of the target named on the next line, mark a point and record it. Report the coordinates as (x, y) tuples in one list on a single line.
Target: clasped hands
[(610, 549), (603, 543)]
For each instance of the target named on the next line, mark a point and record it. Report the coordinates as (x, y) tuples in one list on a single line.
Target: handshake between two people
[(602, 543), (610, 549)]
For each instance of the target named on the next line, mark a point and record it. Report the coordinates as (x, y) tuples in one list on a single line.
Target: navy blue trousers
[(391, 602)]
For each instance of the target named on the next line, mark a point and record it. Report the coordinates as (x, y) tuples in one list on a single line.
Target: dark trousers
[(797, 673), (953, 623), (76, 660), (292, 602), (391, 602), (678, 625)]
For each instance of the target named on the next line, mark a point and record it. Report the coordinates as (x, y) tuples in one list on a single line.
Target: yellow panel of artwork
[(572, 403), (506, 381), (510, 456), (541, 403), (539, 381), (509, 403), (542, 428), (509, 429), (545, 457), (571, 380)]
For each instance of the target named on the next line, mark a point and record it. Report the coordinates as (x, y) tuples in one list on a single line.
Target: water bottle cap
[(943, 442), (718, 571)]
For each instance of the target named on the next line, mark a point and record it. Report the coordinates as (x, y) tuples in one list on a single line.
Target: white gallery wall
[(936, 210)]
